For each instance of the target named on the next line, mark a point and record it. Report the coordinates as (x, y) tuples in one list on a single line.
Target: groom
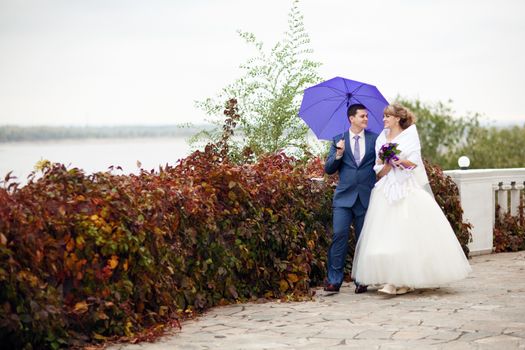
[(353, 155)]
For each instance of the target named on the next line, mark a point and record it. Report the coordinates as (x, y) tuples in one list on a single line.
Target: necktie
[(357, 151)]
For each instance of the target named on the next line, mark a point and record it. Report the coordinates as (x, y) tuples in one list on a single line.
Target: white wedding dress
[(406, 239)]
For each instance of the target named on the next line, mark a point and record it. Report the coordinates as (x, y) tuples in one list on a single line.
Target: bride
[(406, 241)]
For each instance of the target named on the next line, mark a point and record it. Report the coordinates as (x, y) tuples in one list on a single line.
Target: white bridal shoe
[(389, 289), (404, 290)]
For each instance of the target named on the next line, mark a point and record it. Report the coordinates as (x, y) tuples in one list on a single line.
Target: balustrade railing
[(481, 191), (509, 197)]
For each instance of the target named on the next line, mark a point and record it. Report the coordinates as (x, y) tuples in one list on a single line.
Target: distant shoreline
[(16, 133), (13, 134), (94, 140)]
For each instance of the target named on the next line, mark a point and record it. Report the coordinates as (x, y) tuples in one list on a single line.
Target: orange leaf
[(102, 316), (292, 277), (80, 242), (70, 245), (311, 244), (163, 310), (113, 262), (283, 285), (3, 239), (99, 336), (81, 307)]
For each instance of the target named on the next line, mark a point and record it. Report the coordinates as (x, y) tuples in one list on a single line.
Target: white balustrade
[(478, 189), (503, 198), (515, 197)]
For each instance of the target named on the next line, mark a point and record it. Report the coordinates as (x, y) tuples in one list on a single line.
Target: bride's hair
[(406, 117)]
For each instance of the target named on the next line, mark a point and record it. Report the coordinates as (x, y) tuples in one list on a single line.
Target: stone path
[(485, 311)]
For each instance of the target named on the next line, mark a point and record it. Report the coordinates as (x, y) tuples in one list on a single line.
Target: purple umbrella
[(324, 106)]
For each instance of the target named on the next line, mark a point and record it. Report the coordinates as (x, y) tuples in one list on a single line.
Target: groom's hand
[(340, 146)]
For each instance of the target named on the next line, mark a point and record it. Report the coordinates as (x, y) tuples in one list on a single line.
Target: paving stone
[(375, 335), (445, 335), (412, 334), (500, 342), (407, 344), (471, 336), (313, 343), (338, 333), (484, 311), (484, 325), (519, 334), (226, 310), (457, 345)]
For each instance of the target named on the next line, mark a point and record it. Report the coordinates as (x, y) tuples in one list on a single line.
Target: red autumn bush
[(509, 230), (86, 257)]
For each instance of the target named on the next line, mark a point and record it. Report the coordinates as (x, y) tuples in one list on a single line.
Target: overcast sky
[(108, 62)]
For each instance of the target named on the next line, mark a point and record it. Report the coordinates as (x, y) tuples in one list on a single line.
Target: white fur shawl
[(398, 182)]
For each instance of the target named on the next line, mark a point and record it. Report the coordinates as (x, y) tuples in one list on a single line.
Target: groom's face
[(360, 119)]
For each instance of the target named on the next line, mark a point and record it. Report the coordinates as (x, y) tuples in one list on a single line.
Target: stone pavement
[(484, 311)]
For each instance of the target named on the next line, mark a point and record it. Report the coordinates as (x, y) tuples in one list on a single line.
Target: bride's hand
[(404, 164), (386, 168), (396, 163)]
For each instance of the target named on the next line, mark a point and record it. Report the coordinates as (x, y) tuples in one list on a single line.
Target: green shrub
[(269, 94)]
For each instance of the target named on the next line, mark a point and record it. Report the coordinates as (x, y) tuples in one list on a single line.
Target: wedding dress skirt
[(407, 242)]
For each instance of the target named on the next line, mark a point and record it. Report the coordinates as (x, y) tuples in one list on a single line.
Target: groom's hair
[(352, 110)]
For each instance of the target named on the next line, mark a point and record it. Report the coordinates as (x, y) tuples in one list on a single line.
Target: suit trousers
[(343, 217)]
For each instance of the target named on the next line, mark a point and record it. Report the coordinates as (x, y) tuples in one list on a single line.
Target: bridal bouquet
[(388, 153)]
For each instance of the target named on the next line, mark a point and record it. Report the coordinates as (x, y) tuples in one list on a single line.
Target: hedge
[(92, 257), (85, 257)]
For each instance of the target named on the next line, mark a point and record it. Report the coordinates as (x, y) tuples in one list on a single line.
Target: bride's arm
[(384, 169)]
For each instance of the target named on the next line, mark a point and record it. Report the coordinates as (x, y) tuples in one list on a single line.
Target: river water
[(92, 155)]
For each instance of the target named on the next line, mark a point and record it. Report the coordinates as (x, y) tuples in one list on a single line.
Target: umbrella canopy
[(324, 106)]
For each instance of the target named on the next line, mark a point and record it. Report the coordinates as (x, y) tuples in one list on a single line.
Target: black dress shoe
[(361, 289), (332, 288)]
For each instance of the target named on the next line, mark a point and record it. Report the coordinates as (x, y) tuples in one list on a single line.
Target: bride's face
[(390, 121)]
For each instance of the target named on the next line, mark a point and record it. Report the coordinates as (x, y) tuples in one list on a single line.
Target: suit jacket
[(354, 181)]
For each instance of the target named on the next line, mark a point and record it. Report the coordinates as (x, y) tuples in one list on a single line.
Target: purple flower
[(389, 152)]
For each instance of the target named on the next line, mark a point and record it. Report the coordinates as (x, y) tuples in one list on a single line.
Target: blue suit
[(351, 199)]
